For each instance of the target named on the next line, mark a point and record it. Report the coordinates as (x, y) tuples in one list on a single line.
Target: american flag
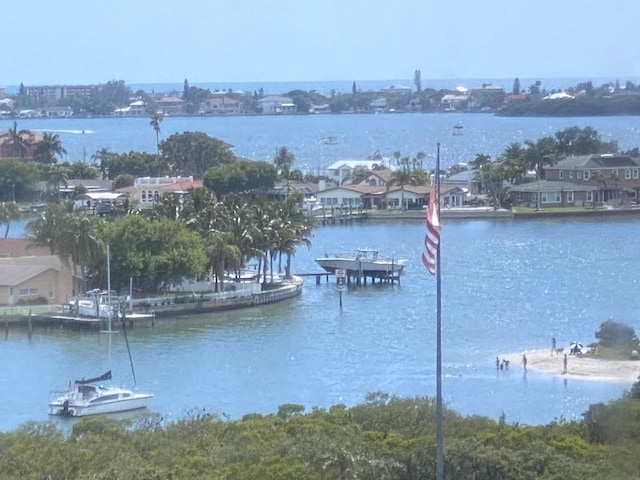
[(432, 238)]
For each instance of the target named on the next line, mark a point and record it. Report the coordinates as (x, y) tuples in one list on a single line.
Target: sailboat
[(91, 397)]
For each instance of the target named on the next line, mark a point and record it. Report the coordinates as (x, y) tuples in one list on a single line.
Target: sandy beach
[(582, 366)]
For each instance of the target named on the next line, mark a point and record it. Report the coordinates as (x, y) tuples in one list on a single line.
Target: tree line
[(197, 237), (384, 438)]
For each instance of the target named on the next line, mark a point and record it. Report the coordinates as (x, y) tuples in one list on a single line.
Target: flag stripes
[(432, 238)]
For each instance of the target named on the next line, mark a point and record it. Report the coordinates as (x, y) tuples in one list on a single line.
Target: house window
[(143, 196), (28, 292), (571, 174), (589, 196), (587, 174), (615, 172), (561, 174), (519, 196), (635, 173), (569, 197), (627, 173), (579, 175), (156, 197), (551, 197)]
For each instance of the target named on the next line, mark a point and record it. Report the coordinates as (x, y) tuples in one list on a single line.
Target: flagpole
[(439, 420)]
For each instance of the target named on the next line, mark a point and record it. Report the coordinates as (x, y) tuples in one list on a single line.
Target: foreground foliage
[(384, 438)]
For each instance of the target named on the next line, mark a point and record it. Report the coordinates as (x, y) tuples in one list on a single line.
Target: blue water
[(508, 286), (360, 136)]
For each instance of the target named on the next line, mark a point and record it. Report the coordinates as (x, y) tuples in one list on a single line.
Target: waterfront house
[(379, 105), (169, 105), (146, 192), (409, 196), (135, 109), (378, 178), (553, 193), (616, 176), (351, 196), (221, 105), (275, 105), (453, 102), (29, 274), (466, 180), (29, 143), (342, 172)]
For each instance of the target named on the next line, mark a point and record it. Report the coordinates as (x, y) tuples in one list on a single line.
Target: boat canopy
[(101, 378)]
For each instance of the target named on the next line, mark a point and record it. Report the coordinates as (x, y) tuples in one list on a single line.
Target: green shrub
[(614, 334)]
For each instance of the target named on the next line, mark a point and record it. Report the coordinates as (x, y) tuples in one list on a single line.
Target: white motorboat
[(97, 304), (90, 397), (364, 261)]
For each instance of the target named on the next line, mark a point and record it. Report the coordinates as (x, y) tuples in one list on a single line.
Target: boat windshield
[(368, 254)]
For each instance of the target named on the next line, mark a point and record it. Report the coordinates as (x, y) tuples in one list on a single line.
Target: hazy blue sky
[(144, 41)]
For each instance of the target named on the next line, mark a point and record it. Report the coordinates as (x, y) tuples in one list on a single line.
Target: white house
[(274, 105), (136, 108), (341, 171)]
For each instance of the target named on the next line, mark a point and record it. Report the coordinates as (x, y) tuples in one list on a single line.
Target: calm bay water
[(508, 286), (256, 137)]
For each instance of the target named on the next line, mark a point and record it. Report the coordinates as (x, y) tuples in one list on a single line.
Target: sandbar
[(583, 367)]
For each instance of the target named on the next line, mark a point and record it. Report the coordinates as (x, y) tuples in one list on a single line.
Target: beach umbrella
[(576, 347)]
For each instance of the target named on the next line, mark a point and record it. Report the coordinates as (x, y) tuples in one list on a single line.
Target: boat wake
[(78, 132)]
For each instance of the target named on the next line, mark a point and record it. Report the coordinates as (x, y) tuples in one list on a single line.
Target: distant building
[(276, 105), (30, 141), (398, 89), (135, 109), (222, 105), (53, 93), (169, 105), (147, 192), (341, 172), (452, 102)]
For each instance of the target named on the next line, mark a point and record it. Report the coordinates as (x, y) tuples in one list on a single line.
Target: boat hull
[(68, 407), (362, 267), (85, 397)]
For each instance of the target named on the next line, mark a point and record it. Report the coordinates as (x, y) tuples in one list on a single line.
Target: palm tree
[(68, 235), (156, 120), (222, 253), (9, 211), (293, 228), (537, 155), (102, 157), (49, 148), (19, 145), (58, 176), (284, 161)]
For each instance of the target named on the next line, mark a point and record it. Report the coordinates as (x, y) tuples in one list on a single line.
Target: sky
[(163, 41)]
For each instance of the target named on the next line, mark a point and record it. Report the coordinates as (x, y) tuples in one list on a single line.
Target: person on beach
[(524, 362), (553, 346), (497, 363), (565, 363)]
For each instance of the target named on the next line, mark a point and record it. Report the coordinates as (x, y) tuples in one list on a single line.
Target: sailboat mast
[(109, 285)]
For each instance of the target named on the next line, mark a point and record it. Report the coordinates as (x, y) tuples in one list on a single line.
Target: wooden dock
[(355, 277)]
